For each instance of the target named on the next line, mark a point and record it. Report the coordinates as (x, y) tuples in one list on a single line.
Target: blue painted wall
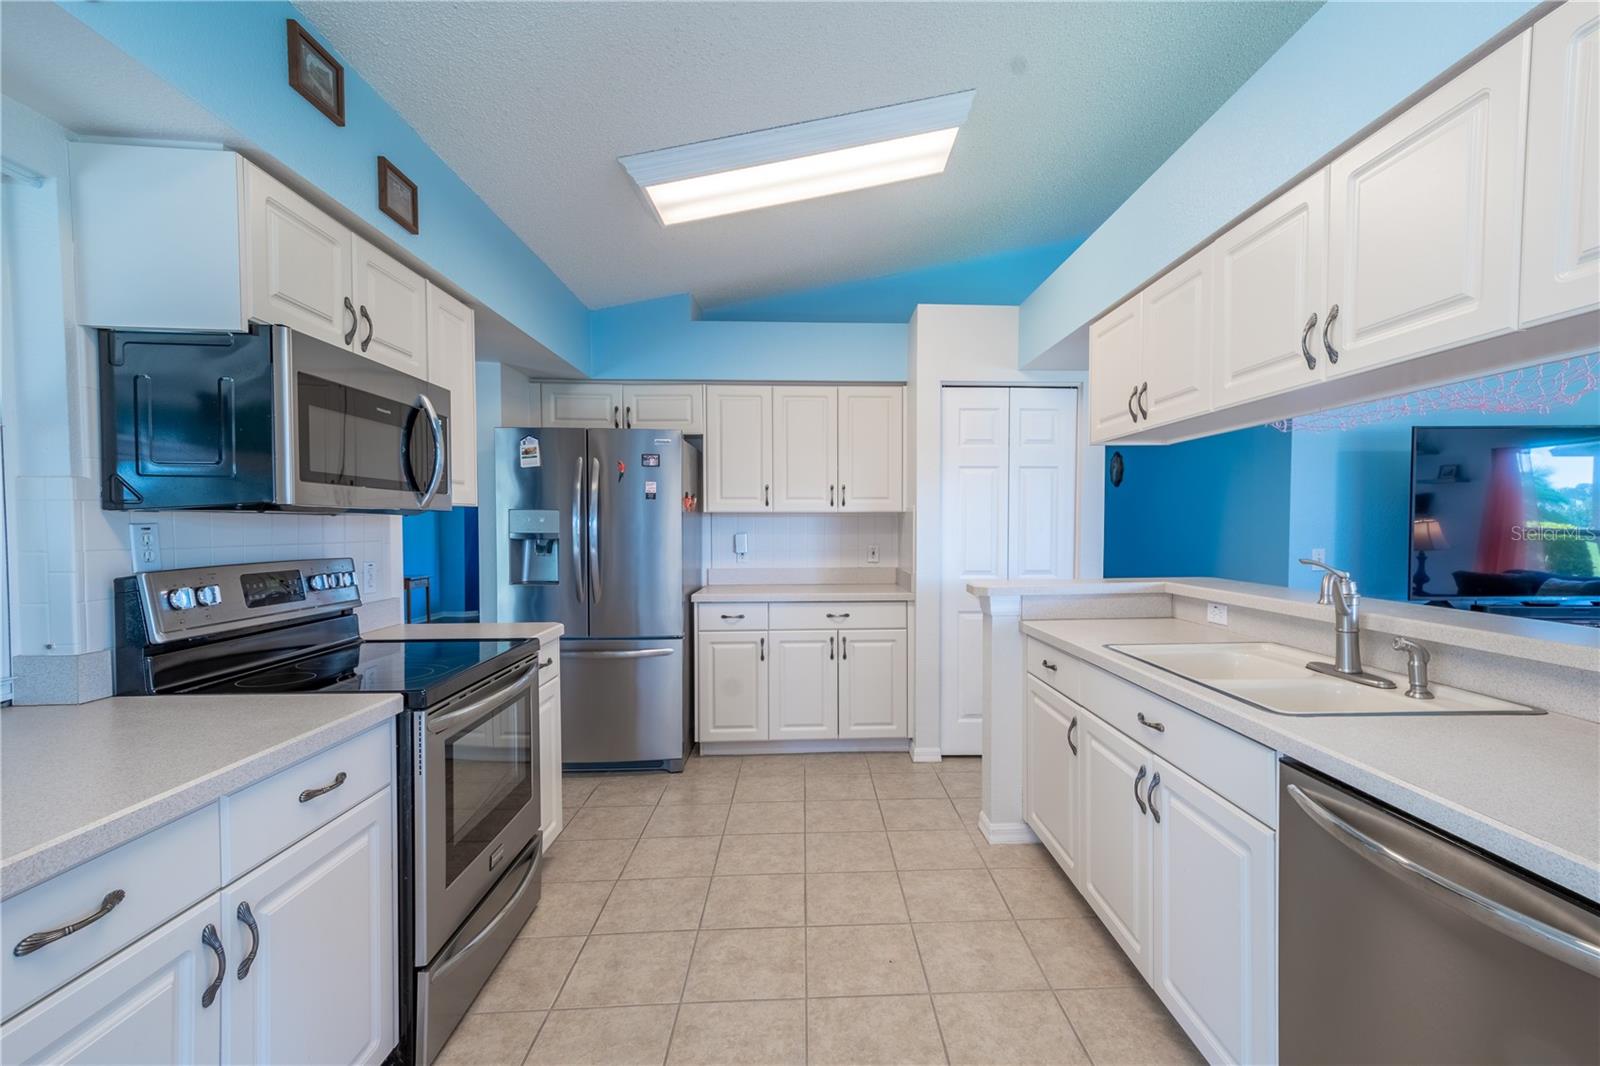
[(1347, 65), (231, 58), (443, 546)]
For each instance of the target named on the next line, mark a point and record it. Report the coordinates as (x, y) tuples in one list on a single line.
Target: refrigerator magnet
[(528, 452), (649, 490)]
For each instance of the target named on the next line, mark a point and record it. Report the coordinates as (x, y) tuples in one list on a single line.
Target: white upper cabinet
[(1425, 217), (871, 448), (452, 351), (1175, 374), (1116, 353), (1561, 216), (581, 405), (738, 448), (301, 263), (1271, 288), (392, 306), (803, 684), (805, 448), (679, 407), (872, 683)]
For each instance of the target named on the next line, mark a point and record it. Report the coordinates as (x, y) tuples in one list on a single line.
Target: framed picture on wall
[(315, 74), (1449, 472), (397, 195)]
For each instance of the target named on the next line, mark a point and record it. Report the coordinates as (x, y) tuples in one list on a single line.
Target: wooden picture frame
[(397, 195), (315, 74)]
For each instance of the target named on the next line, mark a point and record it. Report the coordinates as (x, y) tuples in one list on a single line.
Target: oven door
[(477, 800), (358, 435)]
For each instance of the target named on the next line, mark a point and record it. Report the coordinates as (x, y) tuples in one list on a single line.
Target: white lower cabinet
[(731, 686), (872, 683), (803, 685), (1053, 777), (551, 815), (1115, 876)]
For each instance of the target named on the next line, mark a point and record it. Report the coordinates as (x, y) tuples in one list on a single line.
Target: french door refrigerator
[(599, 529)]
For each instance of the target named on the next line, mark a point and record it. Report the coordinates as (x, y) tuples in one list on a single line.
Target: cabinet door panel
[(679, 407), (322, 986), (452, 350), (550, 812), (805, 448), (581, 406), (738, 448), (141, 1006), (1116, 840), (1271, 277), (1116, 353), (731, 686), (1425, 218), (803, 684), (395, 298), (1051, 778), (1561, 198), (300, 261), (872, 683), (1043, 483), (1177, 336), (871, 448), (1215, 903)]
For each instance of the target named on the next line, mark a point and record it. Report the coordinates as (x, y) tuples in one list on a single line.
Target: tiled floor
[(838, 908)]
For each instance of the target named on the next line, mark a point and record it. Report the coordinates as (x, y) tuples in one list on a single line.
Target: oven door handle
[(457, 952), (523, 682), (437, 428)]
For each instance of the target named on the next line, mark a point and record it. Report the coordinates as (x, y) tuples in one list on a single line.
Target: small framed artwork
[(315, 74), (1449, 472), (397, 195)]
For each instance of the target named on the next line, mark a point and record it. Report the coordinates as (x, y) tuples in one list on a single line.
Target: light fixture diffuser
[(803, 161)]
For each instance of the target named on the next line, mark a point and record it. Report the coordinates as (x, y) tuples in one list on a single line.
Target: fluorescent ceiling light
[(800, 162)]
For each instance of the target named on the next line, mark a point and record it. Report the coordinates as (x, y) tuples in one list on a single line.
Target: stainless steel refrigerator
[(599, 529)]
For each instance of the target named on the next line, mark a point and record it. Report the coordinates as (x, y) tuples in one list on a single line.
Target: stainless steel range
[(467, 759)]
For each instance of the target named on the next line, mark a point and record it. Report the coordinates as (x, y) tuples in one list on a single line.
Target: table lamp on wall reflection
[(1426, 535)]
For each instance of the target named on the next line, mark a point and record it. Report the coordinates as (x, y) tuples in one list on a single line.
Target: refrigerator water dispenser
[(535, 546)]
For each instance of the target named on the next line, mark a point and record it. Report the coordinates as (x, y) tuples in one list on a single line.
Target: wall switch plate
[(872, 553), (369, 576), (1217, 614), (145, 539), (1319, 555), (741, 545)]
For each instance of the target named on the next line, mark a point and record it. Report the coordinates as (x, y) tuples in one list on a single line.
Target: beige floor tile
[(960, 764), (897, 762), (769, 788), (952, 896), (734, 964), (842, 816), (712, 766), (1010, 856), (567, 908), (654, 905), (1040, 894), (785, 817), (628, 969), (1007, 1027), (631, 790), (843, 852), (700, 791), (854, 899), (739, 1033), (962, 785), (839, 786), (977, 957), (764, 854), (613, 1036), (772, 766), (862, 960), (919, 814), (835, 762), (968, 810), (899, 1030), (606, 823), (529, 976), (757, 901), (933, 849), (1127, 1026), (491, 1039), (688, 820), (672, 857), (575, 790), (907, 786), (585, 860), (1078, 953)]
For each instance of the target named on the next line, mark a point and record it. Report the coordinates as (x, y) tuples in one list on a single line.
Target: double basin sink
[(1274, 678)]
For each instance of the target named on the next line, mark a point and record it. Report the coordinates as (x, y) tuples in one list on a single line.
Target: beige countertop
[(1524, 788), (542, 631), (77, 781), (885, 593)]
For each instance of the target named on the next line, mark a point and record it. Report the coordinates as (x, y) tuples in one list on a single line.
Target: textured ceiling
[(532, 103)]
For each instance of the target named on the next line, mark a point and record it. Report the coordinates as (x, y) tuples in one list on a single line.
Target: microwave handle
[(437, 428)]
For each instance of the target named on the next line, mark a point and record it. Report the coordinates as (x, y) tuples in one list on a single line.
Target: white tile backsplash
[(806, 542)]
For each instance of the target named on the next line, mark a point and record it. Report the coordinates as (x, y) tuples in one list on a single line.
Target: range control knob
[(180, 599), (209, 595), (347, 580), (318, 582)]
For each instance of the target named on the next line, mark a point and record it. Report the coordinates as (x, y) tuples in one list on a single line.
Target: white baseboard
[(796, 747), (1005, 832), (926, 755)]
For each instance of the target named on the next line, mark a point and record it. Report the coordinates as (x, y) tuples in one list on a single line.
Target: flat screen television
[(1505, 515)]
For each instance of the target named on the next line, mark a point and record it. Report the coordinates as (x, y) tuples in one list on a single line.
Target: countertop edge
[(884, 593)]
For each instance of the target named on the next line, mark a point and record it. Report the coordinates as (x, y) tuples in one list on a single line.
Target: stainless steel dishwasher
[(1398, 944)]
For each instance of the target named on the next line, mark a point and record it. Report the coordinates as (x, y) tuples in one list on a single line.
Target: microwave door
[(422, 453)]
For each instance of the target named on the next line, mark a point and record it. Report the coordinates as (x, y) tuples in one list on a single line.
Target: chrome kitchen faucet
[(1340, 589)]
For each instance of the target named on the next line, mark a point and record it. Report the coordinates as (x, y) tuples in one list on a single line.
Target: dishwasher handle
[(1558, 944)]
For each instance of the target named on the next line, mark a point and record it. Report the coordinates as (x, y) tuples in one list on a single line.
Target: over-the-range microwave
[(271, 419)]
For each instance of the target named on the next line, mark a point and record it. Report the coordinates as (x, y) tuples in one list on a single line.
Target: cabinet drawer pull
[(1150, 796), (1048, 665), (1148, 724), (312, 793), (1305, 342), (34, 941), (548, 663), (1327, 345), (1136, 797), (209, 937), (1071, 730), (846, 614), (733, 618), (249, 919)]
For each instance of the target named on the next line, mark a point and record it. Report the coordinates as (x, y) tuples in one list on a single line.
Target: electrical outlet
[(741, 545), (369, 576), (145, 539), (1319, 555), (1217, 614), (872, 553)]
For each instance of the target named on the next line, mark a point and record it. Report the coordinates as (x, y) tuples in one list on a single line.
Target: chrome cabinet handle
[(1148, 724), (1136, 798), (763, 649), (846, 614), (627, 417), (1150, 796), (733, 618), (1327, 345), (548, 663), (1048, 665), (34, 941), (844, 647), (843, 500), (368, 320), (1305, 342), (1131, 412), (249, 920), (616, 418), (209, 937), (1558, 944), (577, 531), (354, 322), (830, 495), (594, 531), (1144, 412), (436, 427), (830, 649), (1071, 729), (766, 495), (312, 793)]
